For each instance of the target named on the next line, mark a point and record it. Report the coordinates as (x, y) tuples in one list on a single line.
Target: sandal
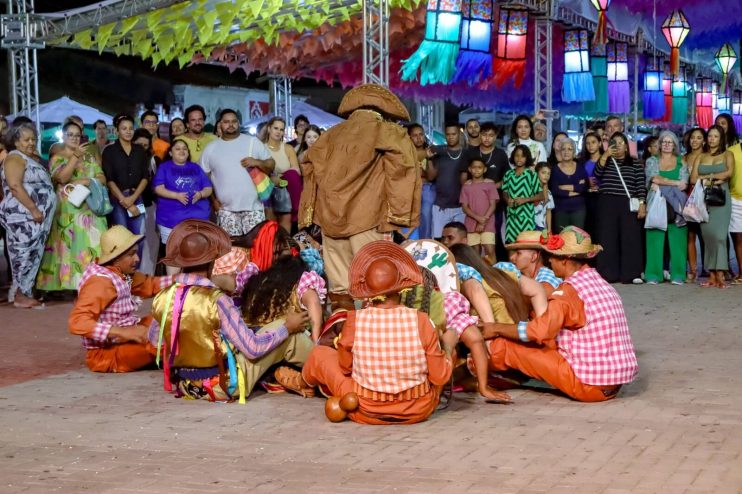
[(707, 284), (690, 278), (737, 281), (291, 380)]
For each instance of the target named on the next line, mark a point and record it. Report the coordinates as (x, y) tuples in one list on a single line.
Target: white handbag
[(633, 201), (76, 194)]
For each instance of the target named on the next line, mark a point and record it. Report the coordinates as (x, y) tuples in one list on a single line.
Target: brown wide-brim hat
[(572, 242), (194, 243), (115, 242), (373, 96), (382, 267), (528, 239)]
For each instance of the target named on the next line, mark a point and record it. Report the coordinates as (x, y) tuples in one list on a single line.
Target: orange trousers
[(322, 367), (126, 357), (546, 364)]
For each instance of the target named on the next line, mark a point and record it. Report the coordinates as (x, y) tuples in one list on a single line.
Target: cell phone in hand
[(140, 207)]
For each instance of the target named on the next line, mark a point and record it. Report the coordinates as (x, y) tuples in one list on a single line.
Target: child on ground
[(522, 190), (542, 209), (478, 200)]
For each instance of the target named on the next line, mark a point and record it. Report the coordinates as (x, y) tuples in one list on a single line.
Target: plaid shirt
[(601, 353), (387, 354), (122, 312), (544, 275), (457, 307)]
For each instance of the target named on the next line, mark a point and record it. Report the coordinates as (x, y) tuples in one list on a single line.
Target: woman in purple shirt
[(569, 183), (182, 190)]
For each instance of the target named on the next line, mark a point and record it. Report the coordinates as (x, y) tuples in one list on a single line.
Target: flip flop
[(33, 307), (706, 284), (737, 281)]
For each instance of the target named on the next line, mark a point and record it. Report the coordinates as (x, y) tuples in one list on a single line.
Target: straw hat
[(195, 242), (374, 96), (572, 242), (116, 241), (382, 267), (528, 239)]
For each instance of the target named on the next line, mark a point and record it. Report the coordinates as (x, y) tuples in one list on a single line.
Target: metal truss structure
[(19, 37), (376, 42), (543, 72), (280, 98), (430, 116)]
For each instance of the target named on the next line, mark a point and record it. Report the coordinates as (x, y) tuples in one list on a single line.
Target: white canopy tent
[(54, 112), (315, 115)]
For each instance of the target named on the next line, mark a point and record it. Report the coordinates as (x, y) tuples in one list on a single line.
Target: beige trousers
[(337, 254)]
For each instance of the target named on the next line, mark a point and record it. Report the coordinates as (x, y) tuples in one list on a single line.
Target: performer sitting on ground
[(105, 312), (387, 353), (581, 344), (527, 257), (209, 352)]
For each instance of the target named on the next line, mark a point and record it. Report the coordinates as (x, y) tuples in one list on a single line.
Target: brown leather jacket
[(359, 175)]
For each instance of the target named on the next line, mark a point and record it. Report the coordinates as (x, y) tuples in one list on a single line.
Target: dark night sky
[(58, 5)]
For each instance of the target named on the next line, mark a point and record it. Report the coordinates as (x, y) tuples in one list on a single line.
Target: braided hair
[(430, 284)]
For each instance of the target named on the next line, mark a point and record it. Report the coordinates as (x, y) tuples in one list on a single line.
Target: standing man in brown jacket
[(361, 181)]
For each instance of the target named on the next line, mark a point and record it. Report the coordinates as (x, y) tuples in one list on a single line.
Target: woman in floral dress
[(74, 240)]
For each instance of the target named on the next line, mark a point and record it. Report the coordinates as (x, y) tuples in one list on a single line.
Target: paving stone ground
[(677, 429)]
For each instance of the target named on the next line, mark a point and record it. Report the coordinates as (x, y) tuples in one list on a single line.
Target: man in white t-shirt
[(227, 161)]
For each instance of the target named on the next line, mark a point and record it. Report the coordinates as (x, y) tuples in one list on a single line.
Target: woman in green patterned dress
[(74, 240)]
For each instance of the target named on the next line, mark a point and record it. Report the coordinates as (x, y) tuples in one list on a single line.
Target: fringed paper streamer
[(601, 33), (618, 78), (599, 69), (436, 56), (474, 63)]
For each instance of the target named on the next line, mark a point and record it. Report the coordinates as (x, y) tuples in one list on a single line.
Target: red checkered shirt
[(122, 312), (601, 353), (388, 356)]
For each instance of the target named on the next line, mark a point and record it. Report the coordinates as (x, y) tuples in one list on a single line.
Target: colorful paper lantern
[(474, 63), (667, 78), (578, 80), (679, 91), (512, 32), (617, 55), (704, 102), (599, 69), (675, 28), (436, 55), (654, 95), (725, 60), (601, 33)]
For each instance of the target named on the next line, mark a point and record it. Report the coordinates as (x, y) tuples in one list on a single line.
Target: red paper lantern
[(512, 33), (675, 28), (601, 36)]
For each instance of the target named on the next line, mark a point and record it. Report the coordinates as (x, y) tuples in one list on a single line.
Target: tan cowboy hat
[(116, 241), (373, 96), (572, 242), (382, 267), (194, 243), (528, 239)]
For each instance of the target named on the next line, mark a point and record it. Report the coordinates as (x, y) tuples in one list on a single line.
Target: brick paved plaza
[(676, 429)]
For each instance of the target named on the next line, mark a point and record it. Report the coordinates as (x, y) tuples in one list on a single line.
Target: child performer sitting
[(478, 199), (105, 312), (390, 355)]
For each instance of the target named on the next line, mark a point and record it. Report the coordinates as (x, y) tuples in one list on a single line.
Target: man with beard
[(473, 132), (195, 117), (227, 160)]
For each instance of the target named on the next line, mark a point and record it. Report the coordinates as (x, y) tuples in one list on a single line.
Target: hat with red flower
[(572, 242)]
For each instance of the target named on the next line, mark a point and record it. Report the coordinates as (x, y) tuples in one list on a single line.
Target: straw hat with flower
[(528, 239), (572, 242), (382, 267)]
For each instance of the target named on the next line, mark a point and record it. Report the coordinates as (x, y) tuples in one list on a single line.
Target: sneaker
[(291, 380), (666, 275), (637, 281), (650, 282), (676, 282)]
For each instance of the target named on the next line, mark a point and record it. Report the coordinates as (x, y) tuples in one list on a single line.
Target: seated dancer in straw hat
[(527, 257), (208, 351), (389, 354), (105, 312), (361, 181), (581, 344)]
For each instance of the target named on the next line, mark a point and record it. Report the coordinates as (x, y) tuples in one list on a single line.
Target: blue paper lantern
[(475, 58), (578, 80), (654, 94)]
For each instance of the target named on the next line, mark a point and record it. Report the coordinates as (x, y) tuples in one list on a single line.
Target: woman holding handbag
[(621, 207), (74, 240), (695, 145), (715, 168), (286, 174), (667, 175)]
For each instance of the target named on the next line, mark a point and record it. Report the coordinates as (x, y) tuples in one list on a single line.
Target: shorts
[(484, 238), (735, 224), (238, 223)]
